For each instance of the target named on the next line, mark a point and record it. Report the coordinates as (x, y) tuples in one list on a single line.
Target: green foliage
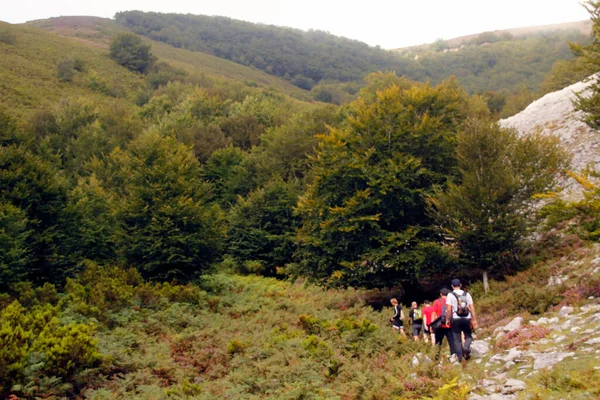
[(486, 211), (363, 212), (565, 73), (171, 229), (33, 197), (128, 50), (34, 341), (308, 56), (590, 54), (235, 347), (65, 70), (7, 36), (14, 237), (584, 213), (324, 63), (262, 226)]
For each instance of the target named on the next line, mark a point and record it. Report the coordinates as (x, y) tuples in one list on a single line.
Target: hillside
[(307, 58), (97, 32), (198, 230), (28, 70), (554, 115), (583, 27)]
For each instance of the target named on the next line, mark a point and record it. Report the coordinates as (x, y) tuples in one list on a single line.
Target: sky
[(387, 23)]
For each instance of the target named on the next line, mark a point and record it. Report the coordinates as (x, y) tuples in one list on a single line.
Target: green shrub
[(317, 348), (36, 341), (8, 37), (236, 347), (65, 70), (310, 325), (67, 348), (533, 299)]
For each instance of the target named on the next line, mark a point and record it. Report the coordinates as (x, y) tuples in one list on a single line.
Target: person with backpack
[(460, 307), (398, 317), (427, 319), (415, 318), (440, 328)]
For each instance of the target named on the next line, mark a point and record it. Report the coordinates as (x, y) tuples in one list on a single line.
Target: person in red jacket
[(443, 331), (427, 319)]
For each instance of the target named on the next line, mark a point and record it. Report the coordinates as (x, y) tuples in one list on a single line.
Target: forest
[(168, 233), (509, 70)]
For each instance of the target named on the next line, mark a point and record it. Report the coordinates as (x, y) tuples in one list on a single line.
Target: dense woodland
[(506, 69), (140, 201)]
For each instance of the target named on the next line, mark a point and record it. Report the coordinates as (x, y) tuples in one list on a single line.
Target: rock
[(500, 336), (512, 386), (566, 325), (513, 325), (553, 320), (554, 281), (479, 348), (545, 360), (415, 361), (559, 339), (594, 318), (575, 329), (588, 331), (509, 365), (533, 323), (590, 307), (489, 386), (542, 321), (512, 355), (494, 396), (566, 310), (593, 341)]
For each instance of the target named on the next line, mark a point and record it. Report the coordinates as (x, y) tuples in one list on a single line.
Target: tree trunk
[(486, 284)]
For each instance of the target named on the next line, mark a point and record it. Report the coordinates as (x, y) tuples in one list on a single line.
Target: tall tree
[(172, 229), (363, 214), (131, 52), (486, 209)]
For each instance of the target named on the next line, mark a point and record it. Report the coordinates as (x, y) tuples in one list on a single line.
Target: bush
[(36, 336), (65, 70), (128, 50), (8, 37)]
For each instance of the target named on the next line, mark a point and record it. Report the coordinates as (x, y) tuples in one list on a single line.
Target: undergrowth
[(109, 334)]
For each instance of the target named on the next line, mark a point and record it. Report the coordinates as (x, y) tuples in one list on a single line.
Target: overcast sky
[(388, 23)]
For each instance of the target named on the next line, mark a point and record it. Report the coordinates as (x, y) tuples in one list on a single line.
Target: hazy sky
[(388, 23)]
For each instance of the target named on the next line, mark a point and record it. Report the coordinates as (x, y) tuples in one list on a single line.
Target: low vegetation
[(169, 233)]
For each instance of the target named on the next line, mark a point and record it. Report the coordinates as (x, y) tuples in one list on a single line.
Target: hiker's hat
[(455, 283)]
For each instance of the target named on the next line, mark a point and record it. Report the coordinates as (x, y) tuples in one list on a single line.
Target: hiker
[(415, 318), (428, 311), (398, 317), (441, 328), (461, 309)]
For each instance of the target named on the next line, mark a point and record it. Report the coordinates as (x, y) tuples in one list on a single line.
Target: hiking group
[(452, 316)]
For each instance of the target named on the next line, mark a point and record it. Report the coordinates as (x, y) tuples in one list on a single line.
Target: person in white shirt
[(461, 309)]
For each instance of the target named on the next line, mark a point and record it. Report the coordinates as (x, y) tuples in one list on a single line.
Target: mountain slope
[(97, 32), (28, 70), (554, 114)]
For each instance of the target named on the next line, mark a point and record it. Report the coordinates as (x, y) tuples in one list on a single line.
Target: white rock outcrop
[(554, 114)]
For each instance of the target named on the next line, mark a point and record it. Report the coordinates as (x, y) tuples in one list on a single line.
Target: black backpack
[(463, 308)]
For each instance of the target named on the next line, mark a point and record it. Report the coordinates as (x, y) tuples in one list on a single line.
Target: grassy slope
[(97, 32), (28, 70), (584, 27)]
